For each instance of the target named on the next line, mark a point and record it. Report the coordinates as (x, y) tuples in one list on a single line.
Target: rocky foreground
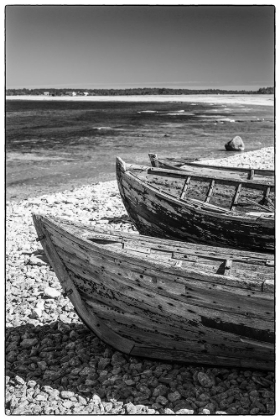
[(55, 365)]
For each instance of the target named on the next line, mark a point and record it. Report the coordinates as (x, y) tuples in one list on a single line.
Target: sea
[(54, 145)]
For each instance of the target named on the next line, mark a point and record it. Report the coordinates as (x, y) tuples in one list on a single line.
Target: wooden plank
[(185, 187), (263, 172), (236, 196), (251, 174), (228, 266), (185, 327), (140, 249), (153, 159), (266, 193), (210, 191), (165, 268), (207, 301), (85, 250)]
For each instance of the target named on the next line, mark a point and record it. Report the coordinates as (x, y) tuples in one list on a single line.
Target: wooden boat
[(263, 175), (201, 209), (166, 299)]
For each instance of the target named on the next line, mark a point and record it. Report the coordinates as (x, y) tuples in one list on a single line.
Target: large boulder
[(236, 144)]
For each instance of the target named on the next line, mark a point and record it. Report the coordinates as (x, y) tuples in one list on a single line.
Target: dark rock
[(205, 380), (236, 144), (174, 396)]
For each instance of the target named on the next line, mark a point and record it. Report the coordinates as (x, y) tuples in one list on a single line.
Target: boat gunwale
[(258, 171), (183, 272)]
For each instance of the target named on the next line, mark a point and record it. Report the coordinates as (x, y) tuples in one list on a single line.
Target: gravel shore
[(258, 159), (55, 365)]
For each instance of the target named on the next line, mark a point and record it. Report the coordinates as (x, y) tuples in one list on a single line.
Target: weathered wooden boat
[(166, 299), (176, 205), (263, 175)]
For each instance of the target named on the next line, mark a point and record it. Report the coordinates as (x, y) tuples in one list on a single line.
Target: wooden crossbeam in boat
[(251, 174), (256, 185), (236, 196), (153, 159), (210, 191), (185, 187), (266, 194), (228, 265)]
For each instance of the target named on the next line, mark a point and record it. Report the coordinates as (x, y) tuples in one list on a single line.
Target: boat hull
[(158, 214), (143, 304)]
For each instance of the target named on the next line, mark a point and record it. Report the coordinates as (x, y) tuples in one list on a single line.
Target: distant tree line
[(132, 91)]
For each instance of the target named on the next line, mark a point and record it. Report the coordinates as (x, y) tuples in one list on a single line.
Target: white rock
[(51, 292), (36, 313)]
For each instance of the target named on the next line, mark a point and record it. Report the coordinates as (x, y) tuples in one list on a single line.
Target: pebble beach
[(55, 365)]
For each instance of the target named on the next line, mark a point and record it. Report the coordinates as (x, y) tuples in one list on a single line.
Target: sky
[(120, 46)]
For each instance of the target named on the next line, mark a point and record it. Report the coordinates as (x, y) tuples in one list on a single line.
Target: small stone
[(67, 394), (31, 384), (103, 363), (174, 396), (42, 365), (160, 390), (29, 342), (161, 400), (206, 411), (41, 397), (86, 371), (117, 359), (205, 380), (151, 411), (156, 406), (107, 406), (129, 382), (36, 313), (184, 411), (96, 399), (254, 410), (130, 408), (168, 411), (68, 404), (51, 292), (19, 380), (82, 400)]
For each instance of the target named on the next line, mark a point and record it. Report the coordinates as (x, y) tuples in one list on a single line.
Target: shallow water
[(51, 145)]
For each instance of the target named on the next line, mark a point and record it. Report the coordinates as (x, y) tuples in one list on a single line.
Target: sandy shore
[(56, 366), (265, 100)]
